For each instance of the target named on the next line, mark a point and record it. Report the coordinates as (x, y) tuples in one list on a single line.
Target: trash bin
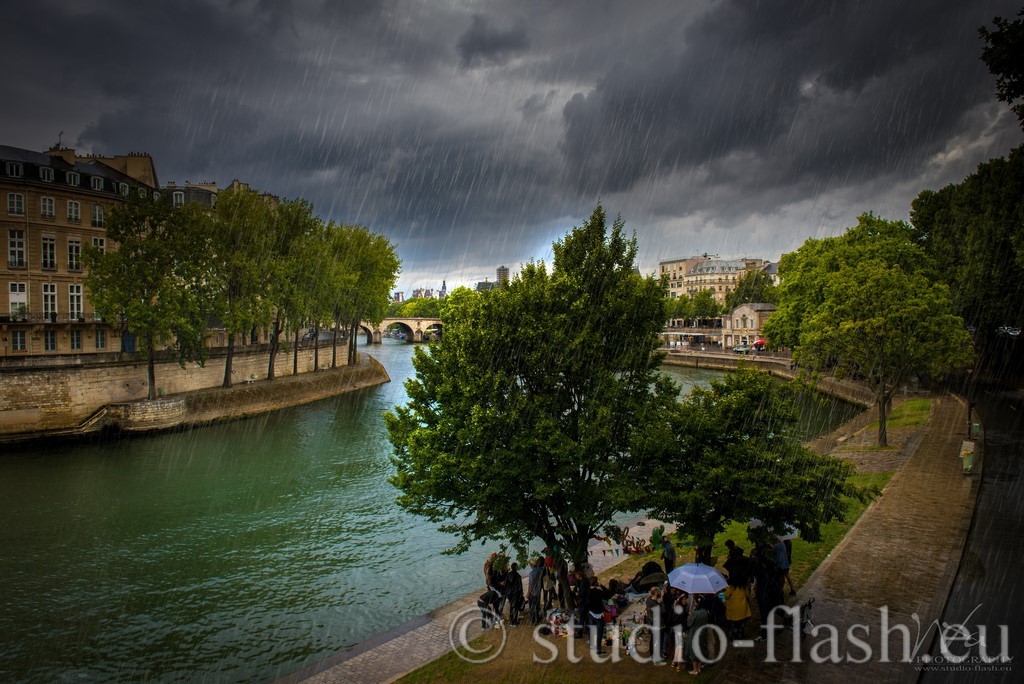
[(967, 456), (975, 430)]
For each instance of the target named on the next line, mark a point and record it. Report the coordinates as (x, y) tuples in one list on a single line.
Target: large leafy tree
[(292, 267), (1003, 54), (973, 231), (371, 265), (154, 281), (243, 245), (521, 420), (731, 452), (753, 286), (864, 304), (705, 308)]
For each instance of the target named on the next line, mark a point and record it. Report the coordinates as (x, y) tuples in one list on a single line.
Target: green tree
[(521, 419), (973, 231), (679, 308), (752, 287), (422, 307), (731, 452), (290, 266), (154, 281), (705, 308), (243, 251), (1003, 54), (863, 304), (373, 264)]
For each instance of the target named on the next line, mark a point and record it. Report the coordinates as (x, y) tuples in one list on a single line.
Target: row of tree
[(248, 264), (541, 414)]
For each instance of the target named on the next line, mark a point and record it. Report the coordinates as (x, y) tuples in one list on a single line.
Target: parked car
[(741, 348)]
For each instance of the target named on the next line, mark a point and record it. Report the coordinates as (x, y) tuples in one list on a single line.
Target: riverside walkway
[(391, 655), (903, 554)]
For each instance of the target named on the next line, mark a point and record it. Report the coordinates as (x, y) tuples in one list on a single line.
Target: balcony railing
[(53, 318)]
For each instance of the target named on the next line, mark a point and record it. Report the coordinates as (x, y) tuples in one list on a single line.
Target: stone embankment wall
[(68, 397), (847, 390)]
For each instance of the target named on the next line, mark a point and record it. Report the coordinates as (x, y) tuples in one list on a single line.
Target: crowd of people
[(672, 616)]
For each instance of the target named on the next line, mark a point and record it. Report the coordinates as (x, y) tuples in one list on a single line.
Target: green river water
[(239, 552)]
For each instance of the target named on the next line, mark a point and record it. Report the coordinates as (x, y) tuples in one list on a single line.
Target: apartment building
[(55, 203)]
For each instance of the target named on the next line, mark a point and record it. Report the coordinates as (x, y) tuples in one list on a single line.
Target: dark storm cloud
[(833, 92), (468, 131), (483, 43)]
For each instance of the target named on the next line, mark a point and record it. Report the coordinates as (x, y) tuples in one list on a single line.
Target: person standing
[(782, 562), (694, 634), (596, 597), (534, 588), (514, 593), (668, 554)]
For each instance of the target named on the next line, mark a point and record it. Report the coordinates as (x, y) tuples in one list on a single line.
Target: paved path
[(902, 555), (389, 656)]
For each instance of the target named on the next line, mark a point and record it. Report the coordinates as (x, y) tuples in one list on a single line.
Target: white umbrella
[(697, 578), (790, 532)]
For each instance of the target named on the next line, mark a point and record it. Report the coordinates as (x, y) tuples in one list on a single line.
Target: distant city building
[(399, 297), (743, 324), (675, 270), (484, 286), (502, 276), (423, 293), (719, 276), (444, 290)]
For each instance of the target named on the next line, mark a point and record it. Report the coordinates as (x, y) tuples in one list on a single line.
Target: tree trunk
[(316, 350), (295, 356), (353, 344), (274, 342), (883, 437), (227, 363), (334, 344), (151, 370)]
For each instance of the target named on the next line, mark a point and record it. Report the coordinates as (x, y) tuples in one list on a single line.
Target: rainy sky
[(475, 133)]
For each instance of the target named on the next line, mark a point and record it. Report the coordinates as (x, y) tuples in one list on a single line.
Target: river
[(239, 552)]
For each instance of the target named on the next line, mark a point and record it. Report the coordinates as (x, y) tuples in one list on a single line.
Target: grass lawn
[(516, 663), (910, 413)]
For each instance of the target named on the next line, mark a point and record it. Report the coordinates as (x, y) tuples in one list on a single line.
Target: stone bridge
[(415, 329)]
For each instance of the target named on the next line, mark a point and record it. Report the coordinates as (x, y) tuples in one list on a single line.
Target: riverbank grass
[(520, 660), (909, 413)]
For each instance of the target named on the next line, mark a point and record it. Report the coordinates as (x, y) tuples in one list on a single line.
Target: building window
[(46, 174), (74, 302), (18, 340), (76, 340), (75, 255), (15, 169), (213, 201), (15, 204), (142, 193), (72, 178), (156, 195), (50, 340), (100, 245), (50, 302), (97, 216), (101, 339), (16, 248), (74, 211), (97, 183), (49, 253), (179, 198), (46, 207), (123, 187), (18, 301)]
